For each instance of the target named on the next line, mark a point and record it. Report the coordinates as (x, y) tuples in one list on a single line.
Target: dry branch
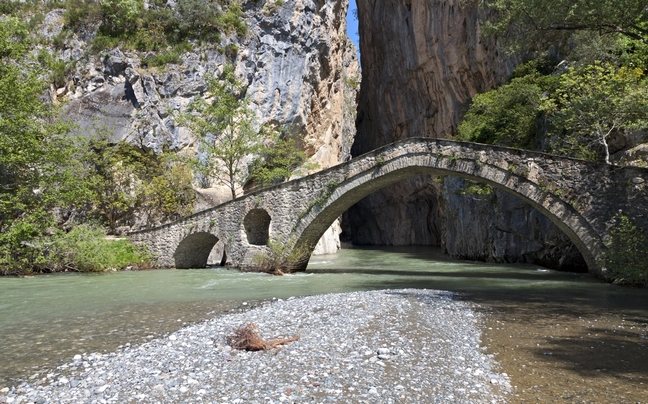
[(247, 338)]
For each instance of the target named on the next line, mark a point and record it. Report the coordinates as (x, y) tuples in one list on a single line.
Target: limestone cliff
[(422, 62), (296, 60)]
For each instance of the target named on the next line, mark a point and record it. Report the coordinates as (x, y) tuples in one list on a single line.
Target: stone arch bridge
[(581, 198)]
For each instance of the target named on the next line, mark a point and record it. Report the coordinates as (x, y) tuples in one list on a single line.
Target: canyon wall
[(422, 61)]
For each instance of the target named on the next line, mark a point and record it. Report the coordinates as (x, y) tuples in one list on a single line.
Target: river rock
[(324, 362)]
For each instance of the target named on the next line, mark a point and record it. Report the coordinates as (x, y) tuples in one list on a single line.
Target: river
[(560, 336)]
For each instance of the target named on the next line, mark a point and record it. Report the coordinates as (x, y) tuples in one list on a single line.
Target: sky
[(352, 23)]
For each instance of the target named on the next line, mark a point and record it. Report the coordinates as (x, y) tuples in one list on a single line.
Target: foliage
[(14, 39), (572, 110), (593, 102), (225, 127), (58, 69), (87, 249), (82, 14), (198, 18), (278, 161), (626, 253), (130, 24), (597, 92), (49, 180), (128, 180), (231, 21), (508, 115), (535, 22), (477, 189), (169, 194), (39, 170), (171, 55), (120, 16), (280, 257), (19, 252)]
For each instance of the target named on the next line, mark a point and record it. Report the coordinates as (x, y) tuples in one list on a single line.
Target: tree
[(38, 164), (592, 103), (509, 114), (552, 21), (225, 128), (130, 183), (277, 162)]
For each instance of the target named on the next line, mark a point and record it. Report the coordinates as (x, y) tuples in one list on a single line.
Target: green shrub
[(279, 257), (507, 115), (231, 21), (277, 162), (119, 17), (626, 254), (169, 56), (87, 249), (82, 14), (20, 253), (128, 24), (477, 189), (58, 69), (102, 42)]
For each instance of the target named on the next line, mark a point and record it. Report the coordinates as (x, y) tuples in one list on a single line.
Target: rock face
[(296, 60), (498, 227), (422, 62)]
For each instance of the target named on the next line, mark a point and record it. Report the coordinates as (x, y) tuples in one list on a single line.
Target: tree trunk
[(605, 144), (232, 185)]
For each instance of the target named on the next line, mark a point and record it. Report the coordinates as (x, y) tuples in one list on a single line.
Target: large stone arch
[(194, 249), (385, 173)]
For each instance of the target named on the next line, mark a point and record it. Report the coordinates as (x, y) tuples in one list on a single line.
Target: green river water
[(46, 320)]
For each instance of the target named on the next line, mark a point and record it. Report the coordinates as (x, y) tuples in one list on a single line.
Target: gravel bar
[(389, 346)]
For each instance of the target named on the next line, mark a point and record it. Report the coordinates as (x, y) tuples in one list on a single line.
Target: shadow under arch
[(352, 190), (193, 251), (257, 226)]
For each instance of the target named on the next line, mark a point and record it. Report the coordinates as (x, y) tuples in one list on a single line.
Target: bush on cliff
[(129, 23)]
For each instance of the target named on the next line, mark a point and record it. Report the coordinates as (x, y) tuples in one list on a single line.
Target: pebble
[(344, 341)]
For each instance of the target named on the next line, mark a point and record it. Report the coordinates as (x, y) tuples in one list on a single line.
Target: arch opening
[(347, 195), (193, 251), (257, 226), (218, 255)]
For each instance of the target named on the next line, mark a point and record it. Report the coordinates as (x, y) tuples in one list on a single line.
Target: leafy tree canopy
[(592, 103), (278, 161), (225, 127), (551, 21)]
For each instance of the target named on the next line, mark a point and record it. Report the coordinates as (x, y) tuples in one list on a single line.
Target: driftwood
[(247, 338)]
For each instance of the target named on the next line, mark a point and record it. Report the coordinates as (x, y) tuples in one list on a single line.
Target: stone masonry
[(581, 198)]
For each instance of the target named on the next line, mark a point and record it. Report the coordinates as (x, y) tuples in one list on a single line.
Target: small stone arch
[(257, 226), (193, 251)]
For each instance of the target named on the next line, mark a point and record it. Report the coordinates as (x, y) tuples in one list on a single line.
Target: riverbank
[(394, 346)]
